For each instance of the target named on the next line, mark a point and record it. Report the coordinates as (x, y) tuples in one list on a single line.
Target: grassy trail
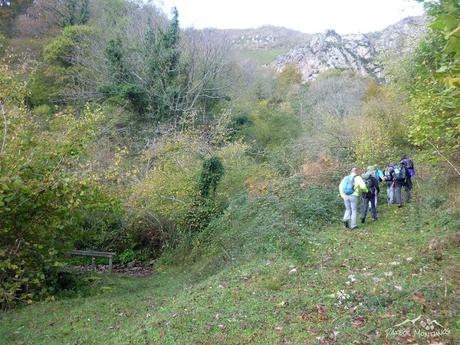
[(354, 286)]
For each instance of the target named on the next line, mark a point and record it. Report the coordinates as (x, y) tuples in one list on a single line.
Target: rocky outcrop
[(357, 52)]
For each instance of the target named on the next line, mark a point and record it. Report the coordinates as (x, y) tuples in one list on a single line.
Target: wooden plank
[(92, 253)]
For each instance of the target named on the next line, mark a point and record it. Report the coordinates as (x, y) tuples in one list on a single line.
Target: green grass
[(262, 56), (385, 270)]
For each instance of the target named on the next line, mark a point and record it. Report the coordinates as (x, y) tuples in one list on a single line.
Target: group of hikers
[(396, 176)]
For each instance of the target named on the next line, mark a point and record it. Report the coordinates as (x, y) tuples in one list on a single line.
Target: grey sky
[(311, 16)]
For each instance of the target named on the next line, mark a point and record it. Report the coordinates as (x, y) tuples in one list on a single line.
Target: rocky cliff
[(358, 52)]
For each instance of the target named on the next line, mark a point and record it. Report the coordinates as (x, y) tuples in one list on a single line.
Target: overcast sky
[(310, 16)]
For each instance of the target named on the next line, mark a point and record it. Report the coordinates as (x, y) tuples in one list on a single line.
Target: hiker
[(369, 197), (390, 181), (410, 172), (379, 175), (349, 189), (401, 175)]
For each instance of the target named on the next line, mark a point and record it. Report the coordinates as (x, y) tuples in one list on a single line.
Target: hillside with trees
[(215, 181)]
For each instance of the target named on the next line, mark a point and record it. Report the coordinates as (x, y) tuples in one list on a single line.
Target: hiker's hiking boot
[(345, 224)]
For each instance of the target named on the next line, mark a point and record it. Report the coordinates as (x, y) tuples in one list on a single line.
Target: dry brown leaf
[(305, 317), (358, 322), (419, 298), (321, 309), (386, 315)]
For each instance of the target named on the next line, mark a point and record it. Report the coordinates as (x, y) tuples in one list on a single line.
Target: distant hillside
[(265, 37), (358, 52), (260, 45), (315, 53)]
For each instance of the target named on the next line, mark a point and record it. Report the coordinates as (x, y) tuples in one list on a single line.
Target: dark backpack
[(400, 173), (371, 183), (389, 173), (407, 162)]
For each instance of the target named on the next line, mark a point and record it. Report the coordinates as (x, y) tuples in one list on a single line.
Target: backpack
[(349, 185), (389, 173), (400, 172), (379, 175), (370, 184), (409, 165)]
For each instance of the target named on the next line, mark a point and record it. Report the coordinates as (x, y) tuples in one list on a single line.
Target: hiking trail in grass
[(354, 288)]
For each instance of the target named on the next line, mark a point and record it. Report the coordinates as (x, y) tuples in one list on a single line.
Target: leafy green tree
[(61, 69), (156, 95), (434, 83), (162, 56), (122, 85)]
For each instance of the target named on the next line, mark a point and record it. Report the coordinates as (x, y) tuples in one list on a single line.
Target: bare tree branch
[(5, 128), (445, 158)]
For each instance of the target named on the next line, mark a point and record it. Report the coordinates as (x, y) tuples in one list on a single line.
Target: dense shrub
[(271, 126), (43, 198), (278, 221)]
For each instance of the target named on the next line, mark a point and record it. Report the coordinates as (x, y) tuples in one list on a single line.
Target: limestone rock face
[(357, 52)]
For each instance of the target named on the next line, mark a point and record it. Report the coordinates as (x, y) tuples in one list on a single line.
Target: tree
[(9, 11), (61, 69), (48, 17), (434, 85)]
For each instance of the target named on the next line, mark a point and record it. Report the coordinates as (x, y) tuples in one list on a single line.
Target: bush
[(43, 200), (271, 126), (278, 221)]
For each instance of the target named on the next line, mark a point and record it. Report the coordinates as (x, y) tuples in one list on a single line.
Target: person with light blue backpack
[(350, 188)]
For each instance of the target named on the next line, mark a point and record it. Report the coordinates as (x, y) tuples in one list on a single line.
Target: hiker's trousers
[(390, 192), (366, 201), (407, 187), (351, 210)]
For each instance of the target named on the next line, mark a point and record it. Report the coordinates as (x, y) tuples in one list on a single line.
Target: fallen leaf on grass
[(410, 340), (321, 309), (358, 322), (419, 298), (305, 317), (322, 340), (386, 315)]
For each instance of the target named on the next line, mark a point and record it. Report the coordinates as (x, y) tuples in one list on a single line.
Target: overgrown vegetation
[(126, 133)]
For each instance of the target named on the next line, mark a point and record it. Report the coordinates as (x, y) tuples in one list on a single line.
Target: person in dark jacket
[(402, 179), (407, 163), (389, 179), (369, 197)]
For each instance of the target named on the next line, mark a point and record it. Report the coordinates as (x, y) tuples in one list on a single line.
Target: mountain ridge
[(358, 52), (316, 53)]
